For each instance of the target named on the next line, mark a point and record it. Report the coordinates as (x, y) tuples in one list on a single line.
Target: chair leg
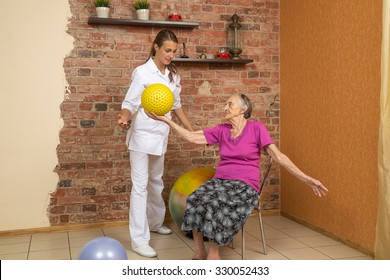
[(262, 233), (243, 243), (233, 245)]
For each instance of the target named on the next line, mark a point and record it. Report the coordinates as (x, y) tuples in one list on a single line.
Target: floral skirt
[(219, 208)]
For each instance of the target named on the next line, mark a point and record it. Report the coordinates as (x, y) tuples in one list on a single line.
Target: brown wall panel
[(330, 86)]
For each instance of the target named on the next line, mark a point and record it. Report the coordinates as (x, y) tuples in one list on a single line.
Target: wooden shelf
[(214, 60), (171, 24), (145, 23)]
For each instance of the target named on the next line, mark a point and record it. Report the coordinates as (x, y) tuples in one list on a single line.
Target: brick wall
[(93, 165)]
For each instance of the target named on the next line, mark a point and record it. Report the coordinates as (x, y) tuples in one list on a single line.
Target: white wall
[(33, 46)]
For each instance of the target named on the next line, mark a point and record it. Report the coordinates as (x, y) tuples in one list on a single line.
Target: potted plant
[(142, 9), (102, 8)]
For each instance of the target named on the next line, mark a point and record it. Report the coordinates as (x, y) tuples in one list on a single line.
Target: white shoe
[(145, 251), (163, 230)]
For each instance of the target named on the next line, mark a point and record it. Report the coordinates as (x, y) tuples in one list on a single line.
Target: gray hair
[(246, 105)]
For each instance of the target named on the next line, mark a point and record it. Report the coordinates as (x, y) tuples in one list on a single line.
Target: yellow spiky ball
[(157, 98)]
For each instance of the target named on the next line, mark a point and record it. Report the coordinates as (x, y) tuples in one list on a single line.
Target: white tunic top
[(147, 135)]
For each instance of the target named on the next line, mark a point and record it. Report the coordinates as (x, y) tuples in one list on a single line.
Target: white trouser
[(147, 207)]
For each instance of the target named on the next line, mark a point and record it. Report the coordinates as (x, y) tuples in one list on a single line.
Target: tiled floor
[(285, 239)]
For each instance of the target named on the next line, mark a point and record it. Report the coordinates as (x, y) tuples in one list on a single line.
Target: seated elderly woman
[(219, 208)]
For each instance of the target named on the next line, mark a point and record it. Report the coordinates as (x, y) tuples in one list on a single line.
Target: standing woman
[(147, 141)]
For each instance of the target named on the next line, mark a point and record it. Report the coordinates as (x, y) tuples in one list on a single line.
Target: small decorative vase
[(143, 14), (102, 12)]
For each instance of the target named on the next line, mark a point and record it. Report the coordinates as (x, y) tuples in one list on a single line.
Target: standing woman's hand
[(123, 121)]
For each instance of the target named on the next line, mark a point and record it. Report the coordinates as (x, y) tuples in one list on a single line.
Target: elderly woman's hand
[(318, 188), (156, 117)]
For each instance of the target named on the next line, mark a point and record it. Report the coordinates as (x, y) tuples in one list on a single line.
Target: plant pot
[(102, 12), (143, 14)]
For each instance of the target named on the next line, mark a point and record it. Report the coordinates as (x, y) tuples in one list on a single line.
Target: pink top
[(239, 157)]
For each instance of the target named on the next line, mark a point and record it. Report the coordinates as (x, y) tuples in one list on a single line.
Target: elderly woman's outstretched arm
[(196, 137), (318, 188)]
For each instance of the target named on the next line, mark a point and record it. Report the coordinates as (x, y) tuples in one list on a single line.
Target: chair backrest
[(266, 173)]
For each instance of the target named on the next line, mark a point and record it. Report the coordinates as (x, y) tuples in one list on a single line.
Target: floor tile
[(121, 237), (154, 235), (318, 240), (49, 236), (115, 230), (235, 256), (285, 244), (279, 222), (175, 254), (173, 242), (80, 241), (94, 232), (15, 239), (255, 228), (249, 236), (339, 251), (272, 255), (14, 248), (359, 258), (304, 254), (299, 232), (49, 245), (227, 251), (55, 254), (285, 239), (75, 252), (271, 233), (254, 246), (16, 256)]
